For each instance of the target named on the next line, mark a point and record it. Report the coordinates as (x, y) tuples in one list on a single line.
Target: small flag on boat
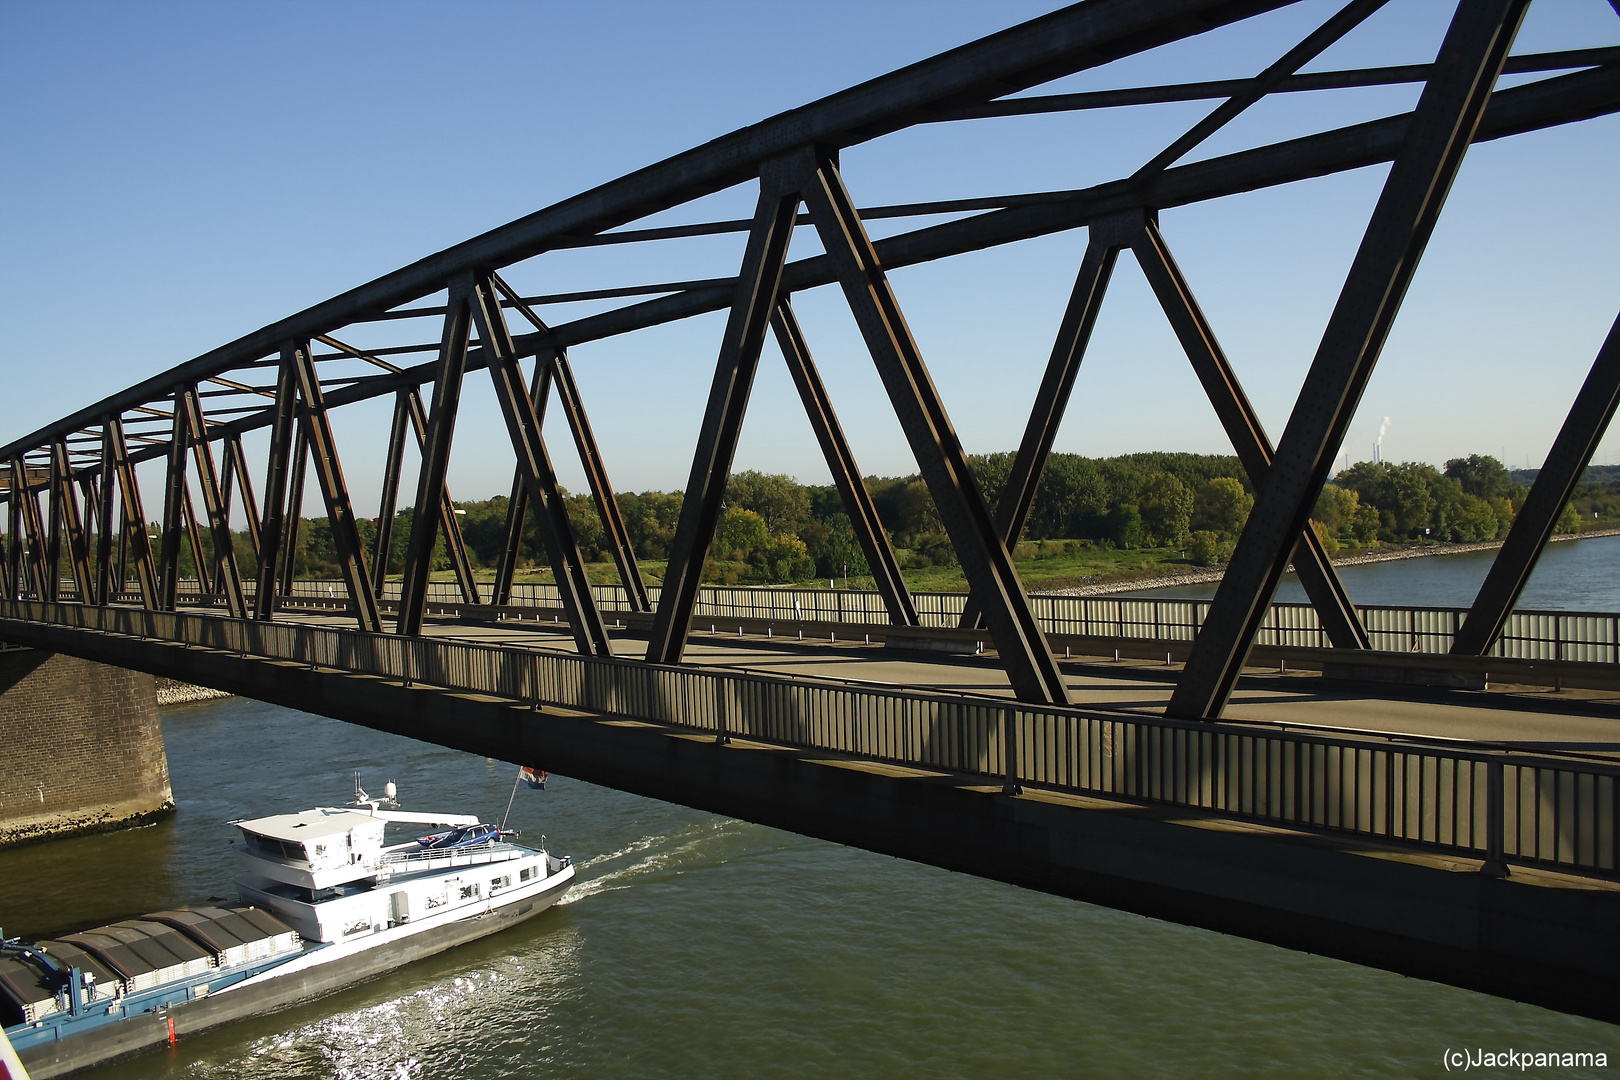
[(531, 777)]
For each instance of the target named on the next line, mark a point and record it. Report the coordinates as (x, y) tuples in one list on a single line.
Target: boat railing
[(444, 858)]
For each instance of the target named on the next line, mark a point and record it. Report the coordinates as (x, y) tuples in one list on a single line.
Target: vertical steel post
[(523, 426), (274, 523), (138, 542), (1495, 862), (174, 488), (72, 523), (33, 528), (329, 474), (8, 566), (1009, 752), (986, 563), (758, 282), (53, 534), (388, 502), (1444, 122), (295, 512), (106, 587), (436, 439), (846, 474), (1566, 463), (16, 578), (228, 579)]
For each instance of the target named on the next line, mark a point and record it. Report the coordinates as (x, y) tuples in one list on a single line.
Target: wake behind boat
[(326, 903)]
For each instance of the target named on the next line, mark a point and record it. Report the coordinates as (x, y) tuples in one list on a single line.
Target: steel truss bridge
[(1031, 789)]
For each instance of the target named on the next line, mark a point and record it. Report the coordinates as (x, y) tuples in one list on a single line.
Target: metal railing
[(1591, 637), (1522, 808)]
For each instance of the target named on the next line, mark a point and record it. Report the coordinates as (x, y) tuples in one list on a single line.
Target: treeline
[(776, 530)]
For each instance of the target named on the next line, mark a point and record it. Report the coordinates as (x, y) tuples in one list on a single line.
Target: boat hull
[(276, 991)]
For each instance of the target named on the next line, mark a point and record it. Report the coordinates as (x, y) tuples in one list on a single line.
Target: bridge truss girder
[(222, 395)]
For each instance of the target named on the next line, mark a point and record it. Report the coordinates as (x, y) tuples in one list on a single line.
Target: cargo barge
[(325, 903)]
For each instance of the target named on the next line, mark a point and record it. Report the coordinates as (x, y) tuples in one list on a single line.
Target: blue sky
[(178, 175)]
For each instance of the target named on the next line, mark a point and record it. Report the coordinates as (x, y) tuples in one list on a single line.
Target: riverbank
[(173, 692), (1201, 576)]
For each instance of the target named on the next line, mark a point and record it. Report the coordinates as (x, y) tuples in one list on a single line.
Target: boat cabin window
[(526, 873), (469, 892), (502, 882), (275, 849)]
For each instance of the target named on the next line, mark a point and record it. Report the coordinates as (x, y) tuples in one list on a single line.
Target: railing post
[(1009, 751), (1495, 821), (721, 736)]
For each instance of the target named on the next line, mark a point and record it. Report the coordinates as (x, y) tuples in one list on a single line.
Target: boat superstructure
[(326, 902)]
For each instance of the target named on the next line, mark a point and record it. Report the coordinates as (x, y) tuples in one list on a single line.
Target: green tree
[(781, 500), (1204, 547), (1166, 509), (1221, 506), (1125, 526), (739, 533), (1480, 475)]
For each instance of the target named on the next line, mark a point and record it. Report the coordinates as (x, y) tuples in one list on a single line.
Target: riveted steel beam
[(1322, 583), (137, 542), (53, 530), (1073, 39), (596, 475), (1342, 22), (517, 504), (108, 583), (1563, 468), (228, 576), (1052, 399), (295, 513), (193, 533), (992, 578), (846, 474), (388, 501), (753, 300), (273, 525), (455, 544), (32, 532), (560, 371), (174, 493), (1447, 114), (238, 470), (71, 522), (329, 475), (435, 445), (573, 587), (1531, 107)]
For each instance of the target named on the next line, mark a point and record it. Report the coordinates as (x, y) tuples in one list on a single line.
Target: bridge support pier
[(82, 746)]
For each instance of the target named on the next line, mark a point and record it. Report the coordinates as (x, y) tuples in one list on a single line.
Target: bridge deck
[(1540, 719), (1375, 850)]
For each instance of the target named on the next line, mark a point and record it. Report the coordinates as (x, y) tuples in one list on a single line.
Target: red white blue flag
[(531, 777)]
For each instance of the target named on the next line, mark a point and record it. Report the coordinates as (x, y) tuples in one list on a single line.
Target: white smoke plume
[(1381, 429)]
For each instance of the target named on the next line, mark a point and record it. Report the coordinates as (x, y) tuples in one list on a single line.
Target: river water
[(698, 946), (1572, 575)]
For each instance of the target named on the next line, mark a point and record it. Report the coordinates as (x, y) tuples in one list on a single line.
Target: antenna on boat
[(390, 794)]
